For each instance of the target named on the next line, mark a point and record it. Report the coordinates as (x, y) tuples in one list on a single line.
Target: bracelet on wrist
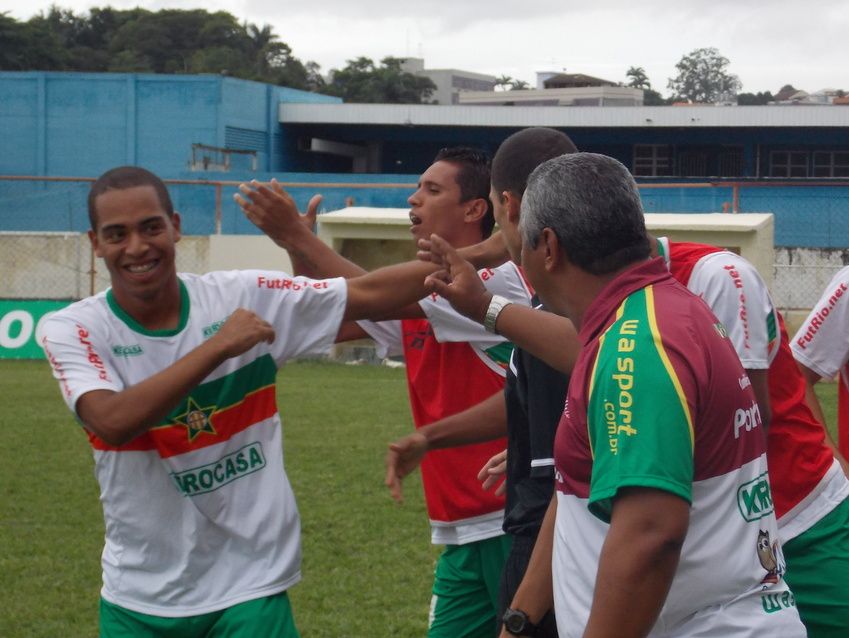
[(496, 305)]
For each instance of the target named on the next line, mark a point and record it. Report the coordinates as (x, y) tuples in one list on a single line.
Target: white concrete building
[(450, 83)]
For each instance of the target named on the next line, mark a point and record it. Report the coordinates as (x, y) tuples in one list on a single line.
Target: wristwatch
[(496, 305), (516, 622)]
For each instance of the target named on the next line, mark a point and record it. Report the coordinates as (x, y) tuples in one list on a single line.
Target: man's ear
[(555, 256), (95, 243), (175, 222), (476, 209), (513, 205)]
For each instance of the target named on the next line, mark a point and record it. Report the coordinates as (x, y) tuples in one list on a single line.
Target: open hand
[(271, 209), (457, 281), (493, 472), (403, 456)]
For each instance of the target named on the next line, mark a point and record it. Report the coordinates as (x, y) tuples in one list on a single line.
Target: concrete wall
[(59, 265)]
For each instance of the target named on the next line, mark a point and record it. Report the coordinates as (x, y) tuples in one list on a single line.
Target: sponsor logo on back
[(754, 499)]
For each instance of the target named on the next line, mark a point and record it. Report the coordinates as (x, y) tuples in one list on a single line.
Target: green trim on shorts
[(270, 617), (465, 589), (818, 574)]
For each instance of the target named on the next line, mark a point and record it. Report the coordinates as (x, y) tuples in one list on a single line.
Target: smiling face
[(435, 207), (135, 237)]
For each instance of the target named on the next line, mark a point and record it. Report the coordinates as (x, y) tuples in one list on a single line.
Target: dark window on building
[(693, 164), (831, 164), (730, 163), (788, 163), (652, 160), (471, 84)]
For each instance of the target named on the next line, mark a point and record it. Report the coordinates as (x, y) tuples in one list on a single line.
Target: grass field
[(368, 563)]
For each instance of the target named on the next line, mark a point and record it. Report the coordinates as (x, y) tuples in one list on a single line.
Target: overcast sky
[(769, 42)]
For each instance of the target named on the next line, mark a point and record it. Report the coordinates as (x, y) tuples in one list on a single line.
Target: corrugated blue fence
[(807, 216)]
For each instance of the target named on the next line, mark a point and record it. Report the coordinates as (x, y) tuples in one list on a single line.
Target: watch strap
[(496, 305)]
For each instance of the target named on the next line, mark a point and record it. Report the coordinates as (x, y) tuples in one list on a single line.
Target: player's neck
[(160, 310), (467, 237)]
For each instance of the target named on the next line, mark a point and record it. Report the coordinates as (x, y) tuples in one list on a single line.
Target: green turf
[(368, 563)]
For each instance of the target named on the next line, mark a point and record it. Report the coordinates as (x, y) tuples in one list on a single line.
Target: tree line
[(197, 41), (191, 41)]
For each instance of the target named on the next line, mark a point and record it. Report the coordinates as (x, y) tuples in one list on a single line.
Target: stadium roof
[(567, 116)]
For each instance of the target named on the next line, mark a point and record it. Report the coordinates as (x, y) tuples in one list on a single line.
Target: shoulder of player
[(661, 311), (277, 281), (837, 289), (507, 277), (89, 311), (726, 269)]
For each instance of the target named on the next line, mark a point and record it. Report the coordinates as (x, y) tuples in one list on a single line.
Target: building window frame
[(789, 163), (831, 163), (653, 160)]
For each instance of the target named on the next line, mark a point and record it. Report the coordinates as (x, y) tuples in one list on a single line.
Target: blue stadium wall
[(79, 125)]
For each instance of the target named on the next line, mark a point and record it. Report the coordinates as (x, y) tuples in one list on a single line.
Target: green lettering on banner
[(210, 477), (20, 323)]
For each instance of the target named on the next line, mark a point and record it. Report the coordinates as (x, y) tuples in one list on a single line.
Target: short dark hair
[(472, 178), (124, 177), (522, 152), (592, 204)]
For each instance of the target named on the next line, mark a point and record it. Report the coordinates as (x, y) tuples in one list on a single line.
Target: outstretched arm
[(119, 417), (489, 253), (393, 290), (545, 335), (274, 212), (483, 422)]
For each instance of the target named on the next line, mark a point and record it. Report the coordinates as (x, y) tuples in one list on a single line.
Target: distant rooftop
[(696, 116), (574, 81)]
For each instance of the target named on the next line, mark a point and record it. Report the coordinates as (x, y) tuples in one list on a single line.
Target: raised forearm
[(311, 257), (382, 293), (545, 335), (489, 253), (119, 417)]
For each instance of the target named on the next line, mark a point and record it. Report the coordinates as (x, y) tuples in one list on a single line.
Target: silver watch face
[(515, 621)]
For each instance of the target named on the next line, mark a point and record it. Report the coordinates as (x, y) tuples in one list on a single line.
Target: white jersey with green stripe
[(199, 512)]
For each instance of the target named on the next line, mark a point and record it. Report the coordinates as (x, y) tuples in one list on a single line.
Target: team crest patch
[(196, 419)]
